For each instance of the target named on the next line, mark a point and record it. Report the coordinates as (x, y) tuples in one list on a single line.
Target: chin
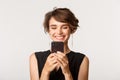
[(59, 40)]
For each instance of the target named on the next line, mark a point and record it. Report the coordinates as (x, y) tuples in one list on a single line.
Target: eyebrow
[(66, 24), (53, 25)]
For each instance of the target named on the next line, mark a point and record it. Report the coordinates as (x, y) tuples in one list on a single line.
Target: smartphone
[(57, 46)]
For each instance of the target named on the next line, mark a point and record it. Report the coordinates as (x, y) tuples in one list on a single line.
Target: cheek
[(51, 32), (67, 32)]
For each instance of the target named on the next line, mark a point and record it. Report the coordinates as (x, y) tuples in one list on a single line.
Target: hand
[(62, 60), (50, 63)]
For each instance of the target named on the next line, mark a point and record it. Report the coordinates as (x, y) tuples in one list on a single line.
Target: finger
[(60, 52), (63, 61), (62, 56), (54, 65), (53, 60), (51, 55), (60, 62)]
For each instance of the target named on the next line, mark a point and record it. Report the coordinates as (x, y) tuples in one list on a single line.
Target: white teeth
[(59, 37)]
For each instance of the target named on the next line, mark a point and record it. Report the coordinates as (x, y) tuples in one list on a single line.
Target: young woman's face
[(59, 31)]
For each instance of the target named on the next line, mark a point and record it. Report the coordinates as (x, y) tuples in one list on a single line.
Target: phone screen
[(57, 46)]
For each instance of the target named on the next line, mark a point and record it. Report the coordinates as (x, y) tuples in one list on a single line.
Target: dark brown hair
[(61, 15)]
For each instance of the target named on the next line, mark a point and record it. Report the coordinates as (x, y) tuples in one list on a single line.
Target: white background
[(21, 33)]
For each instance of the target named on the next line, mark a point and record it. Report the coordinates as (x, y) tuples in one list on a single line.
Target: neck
[(66, 48)]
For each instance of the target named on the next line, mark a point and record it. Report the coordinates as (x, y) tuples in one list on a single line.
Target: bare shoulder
[(32, 57), (86, 60), (33, 67), (84, 69)]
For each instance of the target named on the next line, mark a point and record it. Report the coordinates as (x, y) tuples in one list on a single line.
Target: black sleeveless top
[(75, 59)]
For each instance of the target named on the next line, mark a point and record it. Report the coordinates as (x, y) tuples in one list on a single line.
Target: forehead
[(53, 21)]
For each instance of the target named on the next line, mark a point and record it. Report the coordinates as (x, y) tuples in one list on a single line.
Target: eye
[(52, 27), (65, 27)]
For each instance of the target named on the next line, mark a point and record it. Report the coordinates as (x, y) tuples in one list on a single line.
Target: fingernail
[(58, 52)]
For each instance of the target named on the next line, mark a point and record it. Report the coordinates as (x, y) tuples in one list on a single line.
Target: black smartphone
[(57, 46)]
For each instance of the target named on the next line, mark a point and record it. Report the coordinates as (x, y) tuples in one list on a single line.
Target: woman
[(68, 65)]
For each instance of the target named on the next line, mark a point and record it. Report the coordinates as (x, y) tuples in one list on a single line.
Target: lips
[(59, 37)]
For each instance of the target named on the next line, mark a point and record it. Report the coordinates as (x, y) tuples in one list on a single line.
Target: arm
[(64, 64), (84, 69), (44, 75), (33, 68), (49, 66), (68, 76)]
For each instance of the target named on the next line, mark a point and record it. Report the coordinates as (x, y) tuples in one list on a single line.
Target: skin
[(58, 31)]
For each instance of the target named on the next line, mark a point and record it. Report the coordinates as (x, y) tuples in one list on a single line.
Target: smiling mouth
[(59, 37)]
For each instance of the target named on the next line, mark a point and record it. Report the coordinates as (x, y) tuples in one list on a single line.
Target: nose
[(59, 31)]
